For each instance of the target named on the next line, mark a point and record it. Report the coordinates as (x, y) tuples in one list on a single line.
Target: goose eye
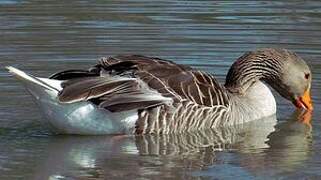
[(306, 75)]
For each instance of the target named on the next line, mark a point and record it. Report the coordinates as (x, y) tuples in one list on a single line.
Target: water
[(43, 37)]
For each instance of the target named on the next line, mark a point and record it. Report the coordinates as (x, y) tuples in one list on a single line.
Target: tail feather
[(28, 79)]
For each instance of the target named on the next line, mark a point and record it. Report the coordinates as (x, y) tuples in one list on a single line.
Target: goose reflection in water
[(262, 144)]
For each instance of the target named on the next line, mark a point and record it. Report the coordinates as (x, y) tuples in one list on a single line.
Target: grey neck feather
[(262, 65)]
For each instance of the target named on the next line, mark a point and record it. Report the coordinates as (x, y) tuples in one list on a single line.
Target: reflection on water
[(243, 137), (43, 37), (260, 146)]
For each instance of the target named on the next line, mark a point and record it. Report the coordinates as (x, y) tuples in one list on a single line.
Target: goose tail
[(71, 118), (38, 87)]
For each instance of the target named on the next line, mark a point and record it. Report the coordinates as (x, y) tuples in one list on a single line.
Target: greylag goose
[(133, 94)]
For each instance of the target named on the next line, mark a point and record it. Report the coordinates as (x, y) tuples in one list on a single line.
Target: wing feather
[(125, 82), (88, 88)]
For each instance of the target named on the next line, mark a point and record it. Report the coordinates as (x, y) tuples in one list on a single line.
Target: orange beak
[(304, 101)]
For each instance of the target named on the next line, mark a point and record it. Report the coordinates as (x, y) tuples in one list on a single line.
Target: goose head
[(282, 69)]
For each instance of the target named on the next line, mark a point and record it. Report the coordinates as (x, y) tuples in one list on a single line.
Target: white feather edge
[(72, 126), (55, 85), (46, 83)]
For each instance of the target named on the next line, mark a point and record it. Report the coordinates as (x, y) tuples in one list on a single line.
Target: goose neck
[(253, 67), (257, 102)]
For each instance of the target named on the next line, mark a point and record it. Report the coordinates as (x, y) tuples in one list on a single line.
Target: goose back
[(167, 96)]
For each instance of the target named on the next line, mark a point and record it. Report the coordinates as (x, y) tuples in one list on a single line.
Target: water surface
[(43, 37)]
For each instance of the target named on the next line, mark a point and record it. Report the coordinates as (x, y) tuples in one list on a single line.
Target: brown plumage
[(123, 83), (138, 94), (121, 74)]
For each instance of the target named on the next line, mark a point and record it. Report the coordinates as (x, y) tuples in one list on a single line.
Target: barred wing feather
[(137, 82), (179, 82)]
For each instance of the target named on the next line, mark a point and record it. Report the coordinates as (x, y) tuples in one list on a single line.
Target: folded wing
[(137, 82)]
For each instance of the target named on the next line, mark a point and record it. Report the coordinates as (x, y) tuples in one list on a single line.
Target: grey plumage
[(170, 97), (253, 66)]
